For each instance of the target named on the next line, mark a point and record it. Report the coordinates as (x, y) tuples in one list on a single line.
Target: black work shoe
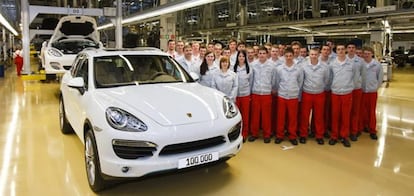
[(373, 136), (346, 143), (320, 141), (358, 134), (278, 140), (266, 140), (294, 142), (311, 134), (332, 141), (326, 135), (252, 138), (244, 140), (353, 137), (302, 140)]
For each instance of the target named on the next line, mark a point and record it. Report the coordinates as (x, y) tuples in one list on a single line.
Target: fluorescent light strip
[(164, 10), (300, 29), (6, 24)]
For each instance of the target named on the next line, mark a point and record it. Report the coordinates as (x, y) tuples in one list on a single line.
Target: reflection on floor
[(36, 159)]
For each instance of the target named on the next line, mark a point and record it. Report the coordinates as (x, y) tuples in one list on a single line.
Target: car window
[(121, 70), (82, 71), (76, 64)]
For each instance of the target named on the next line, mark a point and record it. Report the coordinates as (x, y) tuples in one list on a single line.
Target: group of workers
[(289, 92)]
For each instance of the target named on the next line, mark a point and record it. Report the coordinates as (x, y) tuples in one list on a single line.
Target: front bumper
[(57, 65), (114, 166)]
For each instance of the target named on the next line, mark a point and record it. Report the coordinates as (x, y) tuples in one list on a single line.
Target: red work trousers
[(289, 106), (274, 113), (355, 111), (314, 103), (261, 111), (328, 110), (341, 112), (368, 107), (244, 106), (18, 60)]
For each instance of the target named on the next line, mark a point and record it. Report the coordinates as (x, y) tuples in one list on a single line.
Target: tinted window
[(82, 71), (137, 69), (76, 64)]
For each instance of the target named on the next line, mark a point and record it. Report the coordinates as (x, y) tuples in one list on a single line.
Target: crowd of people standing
[(286, 91)]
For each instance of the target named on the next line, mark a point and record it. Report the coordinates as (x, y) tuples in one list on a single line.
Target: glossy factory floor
[(36, 159)]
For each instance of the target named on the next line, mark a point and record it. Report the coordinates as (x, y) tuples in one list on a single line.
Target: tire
[(65, 126), (92, 166)]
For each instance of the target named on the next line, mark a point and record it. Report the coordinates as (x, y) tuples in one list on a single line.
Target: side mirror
[(194, 76), (77, 83)]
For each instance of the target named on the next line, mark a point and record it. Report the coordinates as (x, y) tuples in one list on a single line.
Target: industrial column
[(25, 36), (118, 25), (243, 19), (167, 27)]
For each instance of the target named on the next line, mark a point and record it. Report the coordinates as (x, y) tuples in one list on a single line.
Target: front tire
[(65, 127), (93, 168)]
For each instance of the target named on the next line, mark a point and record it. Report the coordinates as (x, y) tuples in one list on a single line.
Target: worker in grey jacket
[(245, 76), (357, 92), (226, 80), (316, 78), (343, 80), (370, 85), (264, 77), (289, 85)]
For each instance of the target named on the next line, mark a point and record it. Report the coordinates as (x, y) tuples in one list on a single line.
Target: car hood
[(68, 26), (166, 104)]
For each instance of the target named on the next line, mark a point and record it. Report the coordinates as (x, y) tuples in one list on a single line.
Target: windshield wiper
[(118, 84)]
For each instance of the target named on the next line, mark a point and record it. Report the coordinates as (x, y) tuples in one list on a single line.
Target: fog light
[(125, 169), (55, 65)]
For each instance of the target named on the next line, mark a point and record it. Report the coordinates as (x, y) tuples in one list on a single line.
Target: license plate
[(198, 160)]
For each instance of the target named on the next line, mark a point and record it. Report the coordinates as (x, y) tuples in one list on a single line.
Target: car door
[(74, 99)]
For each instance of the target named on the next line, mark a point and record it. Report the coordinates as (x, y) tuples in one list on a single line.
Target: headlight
[(54, 52), (229, 108), (124, 121)]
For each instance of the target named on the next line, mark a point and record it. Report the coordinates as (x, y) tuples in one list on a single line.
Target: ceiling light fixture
[(300, 29), (161, 10), (6, 24)]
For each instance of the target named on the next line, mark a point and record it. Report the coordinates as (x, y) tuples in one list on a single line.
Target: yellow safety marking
[(34, 77)]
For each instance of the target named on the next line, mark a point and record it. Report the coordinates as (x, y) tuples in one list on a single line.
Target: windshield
[(123, 70), (71, 46)]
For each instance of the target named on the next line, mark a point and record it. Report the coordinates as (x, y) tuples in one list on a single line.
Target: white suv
[(72, 34), (139, 112)]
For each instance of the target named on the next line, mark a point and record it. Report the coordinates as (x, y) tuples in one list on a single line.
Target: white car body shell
[(60, 64)]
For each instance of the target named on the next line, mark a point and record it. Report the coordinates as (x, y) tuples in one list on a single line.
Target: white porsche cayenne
[(139, 112)]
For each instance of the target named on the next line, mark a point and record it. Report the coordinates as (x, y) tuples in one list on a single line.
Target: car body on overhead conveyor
[(410, 56), (71, 35), (399, 57), (138, 112)]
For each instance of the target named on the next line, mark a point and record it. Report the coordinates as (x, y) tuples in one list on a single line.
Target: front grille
[(191, 146), (129, 152)]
